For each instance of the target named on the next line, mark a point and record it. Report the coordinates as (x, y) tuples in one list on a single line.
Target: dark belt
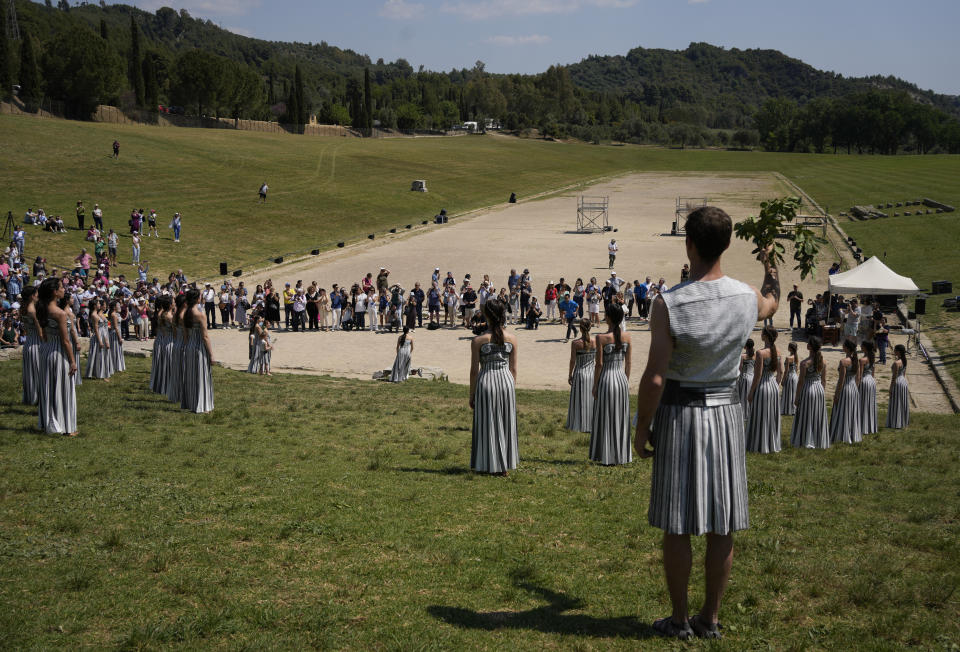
[(675, 394)]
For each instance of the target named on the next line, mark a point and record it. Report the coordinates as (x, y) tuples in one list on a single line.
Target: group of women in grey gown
[(766, 393), (105, 356), (261, 346), (183, 354), (50, 375)]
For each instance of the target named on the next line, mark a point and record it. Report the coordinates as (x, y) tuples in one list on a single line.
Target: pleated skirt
[(175, 371), (610, 432), (98, 360), (158, 364), (789, 393), (845, 416), (699, 482), (868, 405), (57, 391), (77, 377), (196, 380), (494, 448), (744, 382), (763, 426), (580, 406), (810, 425), (116, 353), (401, 365), (32, 355), (898, 412), (255, 366)]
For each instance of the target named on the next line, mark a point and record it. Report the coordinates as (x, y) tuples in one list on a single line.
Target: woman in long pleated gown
[(99, 362), (582, 363), (898, 411), (58, 391), (763, 426), (788, 388), (810, 424), (64, 305), (175, 359), (493, 374), (401, 363), (610, 441), (868, 389), (745, 379), (845, 416), (256, 345), (159, 363), (198, 359), (116, 338), (32, 346)]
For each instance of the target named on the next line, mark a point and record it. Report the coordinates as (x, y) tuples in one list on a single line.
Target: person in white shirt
[(612, 250), (263, 193), (209, 305), (615, 283), (372, 301), (97, 217), (135, 237)]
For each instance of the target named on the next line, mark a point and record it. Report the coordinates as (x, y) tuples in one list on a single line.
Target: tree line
[(87, 55)]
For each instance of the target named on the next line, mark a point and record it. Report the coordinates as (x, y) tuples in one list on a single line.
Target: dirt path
[(536, 235)]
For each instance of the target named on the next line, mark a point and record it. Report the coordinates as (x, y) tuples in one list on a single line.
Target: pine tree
[(103, 29), (29, 73), (151, 89), (6, 57), (367, 102), (302, 109), (136, 65)]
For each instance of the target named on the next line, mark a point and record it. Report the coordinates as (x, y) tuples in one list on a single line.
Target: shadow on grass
[(448, 470), (549, 619), (536, 460)]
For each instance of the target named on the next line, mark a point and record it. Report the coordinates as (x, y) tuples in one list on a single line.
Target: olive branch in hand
[(764, 229)]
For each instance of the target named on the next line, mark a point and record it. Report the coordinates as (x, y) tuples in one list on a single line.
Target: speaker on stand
[(223, 269)]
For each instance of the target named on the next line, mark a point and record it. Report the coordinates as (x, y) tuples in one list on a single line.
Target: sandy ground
[(537, 235)]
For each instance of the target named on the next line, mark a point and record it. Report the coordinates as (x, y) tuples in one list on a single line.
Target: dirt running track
[(536, 235)]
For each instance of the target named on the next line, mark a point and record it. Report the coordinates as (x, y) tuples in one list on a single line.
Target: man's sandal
[(704, 629), (666, 627)]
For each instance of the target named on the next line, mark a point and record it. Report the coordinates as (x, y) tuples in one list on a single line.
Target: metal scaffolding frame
[(685, 206), (593, 214)]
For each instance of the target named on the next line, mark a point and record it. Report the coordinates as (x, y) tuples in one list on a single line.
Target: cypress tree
[(103, 29), (367, 101), (29, 73), (136, 63), (151, 89), (271, 94), (293, 111), (6, 59)]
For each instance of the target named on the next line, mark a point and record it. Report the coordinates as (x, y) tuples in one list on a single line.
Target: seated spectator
[(478, 324), (346, 321), (93, 233), (8, 335), (30, 217)]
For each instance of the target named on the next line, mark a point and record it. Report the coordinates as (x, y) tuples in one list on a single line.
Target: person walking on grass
[(262, 193), (689, 416)]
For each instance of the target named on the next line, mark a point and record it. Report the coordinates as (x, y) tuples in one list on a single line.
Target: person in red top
[(550, 300)]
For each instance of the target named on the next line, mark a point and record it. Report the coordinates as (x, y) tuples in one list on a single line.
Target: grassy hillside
[(282, 521), (324, 190)]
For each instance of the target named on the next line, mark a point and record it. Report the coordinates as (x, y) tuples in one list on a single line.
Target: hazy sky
[(912, 39)]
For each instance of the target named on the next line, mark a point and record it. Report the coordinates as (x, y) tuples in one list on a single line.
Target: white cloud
[(401, 10), (482, 9), (205, 8), (509, 41)]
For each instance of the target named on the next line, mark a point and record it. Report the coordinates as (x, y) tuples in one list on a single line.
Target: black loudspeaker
[(513, 198), (223, 269), (920, 305), (340, 245), (393, 230), (370, 236), (314, 252), (409, 226), (425, 222), (941, 287), (237, 272), (278, 259)]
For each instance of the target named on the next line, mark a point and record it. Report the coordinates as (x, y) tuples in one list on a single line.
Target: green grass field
[(324, 190), (330, 513)]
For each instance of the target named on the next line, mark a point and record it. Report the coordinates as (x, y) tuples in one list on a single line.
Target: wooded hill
[(89, 54)]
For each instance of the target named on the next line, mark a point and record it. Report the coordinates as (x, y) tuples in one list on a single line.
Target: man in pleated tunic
[(690, 414)]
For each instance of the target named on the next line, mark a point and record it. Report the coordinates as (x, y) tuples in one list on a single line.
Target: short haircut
[(709, 229)]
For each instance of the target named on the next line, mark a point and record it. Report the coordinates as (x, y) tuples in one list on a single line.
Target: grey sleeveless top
[(709, 322)]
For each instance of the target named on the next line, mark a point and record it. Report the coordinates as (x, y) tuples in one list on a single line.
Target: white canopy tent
[(872, 277)]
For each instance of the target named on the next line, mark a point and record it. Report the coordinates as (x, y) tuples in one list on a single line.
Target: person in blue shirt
[(640, 295), (569, 308)]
